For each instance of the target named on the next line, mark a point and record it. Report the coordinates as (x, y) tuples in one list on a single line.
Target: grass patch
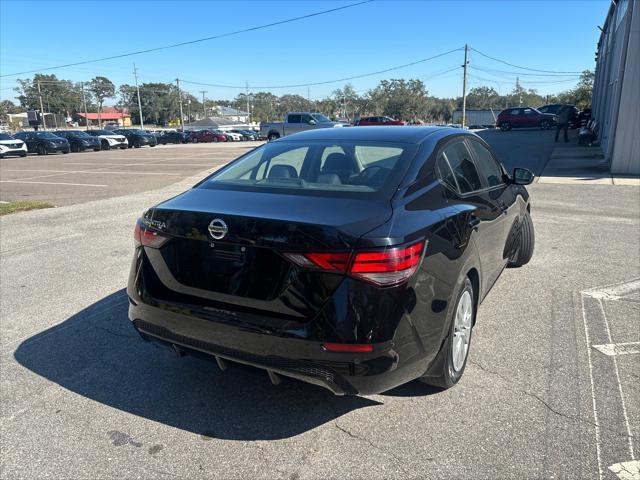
[(22, 206)]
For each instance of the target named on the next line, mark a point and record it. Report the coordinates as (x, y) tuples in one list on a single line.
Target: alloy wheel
[(462, 330)]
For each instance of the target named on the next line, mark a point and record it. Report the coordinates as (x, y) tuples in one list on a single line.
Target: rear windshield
[(322, 166)]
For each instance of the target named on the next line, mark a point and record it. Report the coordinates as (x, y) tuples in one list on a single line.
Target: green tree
[(102, 88), (58, 96), (7, 107), (401, 99)]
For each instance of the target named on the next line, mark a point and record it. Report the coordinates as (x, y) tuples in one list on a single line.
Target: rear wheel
[(505, 126), (452, 358), (75, 148), (273, 136), (544, 125), (42, 150), (527, 242), (136, 144), (215, 139), (105, 145), (194, 140)]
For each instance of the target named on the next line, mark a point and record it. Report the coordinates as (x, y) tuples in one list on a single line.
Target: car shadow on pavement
[(97, 354)]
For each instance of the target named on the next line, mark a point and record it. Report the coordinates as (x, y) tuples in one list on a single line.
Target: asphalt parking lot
[(551, 389), (80, 177)]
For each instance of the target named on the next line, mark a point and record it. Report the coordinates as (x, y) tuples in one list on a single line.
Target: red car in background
[(206, 136), (522, 117), (365, 121)]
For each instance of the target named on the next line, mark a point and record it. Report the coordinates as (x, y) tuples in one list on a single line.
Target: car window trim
[(487, 188)]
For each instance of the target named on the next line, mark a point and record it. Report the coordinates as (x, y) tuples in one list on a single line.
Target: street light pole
[(135, 74), (44, 121), (204, 108), (84, 101), (180, 100)]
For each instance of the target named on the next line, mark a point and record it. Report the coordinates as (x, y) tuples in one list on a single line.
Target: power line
[(190, 42), (369, 74), (517, 66), (491, 70)]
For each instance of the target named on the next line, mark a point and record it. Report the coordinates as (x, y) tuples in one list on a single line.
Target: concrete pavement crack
[(545, 404)]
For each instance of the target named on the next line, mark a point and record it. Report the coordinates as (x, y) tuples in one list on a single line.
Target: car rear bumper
[(306, 360)]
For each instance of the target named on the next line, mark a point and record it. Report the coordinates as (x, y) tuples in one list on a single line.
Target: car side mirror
[(522, 176), (312, 122)]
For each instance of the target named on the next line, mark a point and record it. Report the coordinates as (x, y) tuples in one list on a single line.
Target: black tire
[(442, 373), (273, 136), (42, 150), (23, 154), (97, 149), (527, 243), (105, 145), (153, 145), (215, 140), (194, 140), (545, 125), (136, 144), (64, 152), (75, 148), (505, 126)]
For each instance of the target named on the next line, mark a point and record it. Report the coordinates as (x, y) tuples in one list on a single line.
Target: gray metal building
[(616, 90)]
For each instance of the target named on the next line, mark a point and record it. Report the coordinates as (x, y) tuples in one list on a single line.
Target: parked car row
[(65, 141)]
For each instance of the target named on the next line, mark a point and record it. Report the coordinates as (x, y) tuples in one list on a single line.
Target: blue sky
[(550, 35)]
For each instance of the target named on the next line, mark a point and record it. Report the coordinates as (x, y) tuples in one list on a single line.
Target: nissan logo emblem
[(218, 229)]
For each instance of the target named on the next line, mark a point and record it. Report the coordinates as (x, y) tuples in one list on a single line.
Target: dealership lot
[(551, 388), (79, 177)]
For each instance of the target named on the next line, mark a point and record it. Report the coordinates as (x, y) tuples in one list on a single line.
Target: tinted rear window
[(340, 167)]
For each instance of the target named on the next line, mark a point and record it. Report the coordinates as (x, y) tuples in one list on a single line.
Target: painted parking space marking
[(56, 183), (93, 172), (626, 470), (618, 291), (611, 349)]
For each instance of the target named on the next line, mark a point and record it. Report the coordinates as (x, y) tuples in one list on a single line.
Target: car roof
[(403, 134)]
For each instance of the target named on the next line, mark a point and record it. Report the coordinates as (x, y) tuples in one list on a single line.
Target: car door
[(530, 118), (515, 117), (501, 193), (292, 124), (481, 211)]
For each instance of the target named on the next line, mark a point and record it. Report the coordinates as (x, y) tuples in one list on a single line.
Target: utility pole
[(464, 87), (44, 121), (135, 74), (204, 108), (180, 99), (248, 112), (84, 102), (189, 110)]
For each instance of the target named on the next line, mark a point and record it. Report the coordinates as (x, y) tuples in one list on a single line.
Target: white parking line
[(627, 470), (98, 171), (614, 292), (56, 183), (593, 391), (612, 349), (136, 164)]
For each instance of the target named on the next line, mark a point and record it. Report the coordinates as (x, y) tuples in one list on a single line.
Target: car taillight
[(148, 238), (348, 347), (390, 266)]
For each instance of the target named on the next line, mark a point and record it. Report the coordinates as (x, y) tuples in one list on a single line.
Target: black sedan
[(352, 258), (80, 141), (44, 143), (137, 138), (172, 137)]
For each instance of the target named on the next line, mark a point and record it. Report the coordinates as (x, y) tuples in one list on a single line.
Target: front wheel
[(42, 150), (544, 125), (452, 359), (527, 243), (105, 145), (215, 140), (273, 136), (136, 144), (505, 126)]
